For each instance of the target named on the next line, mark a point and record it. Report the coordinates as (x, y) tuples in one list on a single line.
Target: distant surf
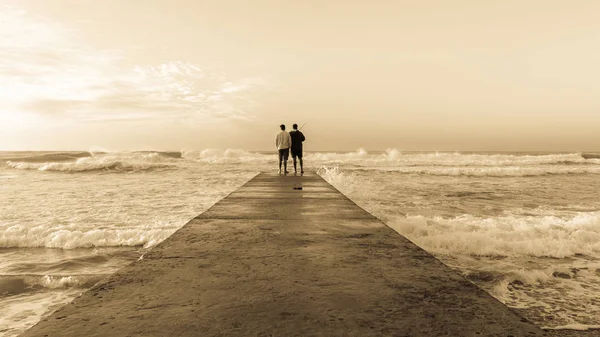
[(90, 162), (439, 163), (49, 157)]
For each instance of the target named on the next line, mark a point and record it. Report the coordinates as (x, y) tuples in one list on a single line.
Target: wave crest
[(217, 156), (126, 162), (393, 157), (69, 237), (20, 284), (50, 157), (440, 163), (508, 235), (335, 175)]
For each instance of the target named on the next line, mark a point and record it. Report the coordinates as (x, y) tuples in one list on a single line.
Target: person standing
[(297, 139), (283, 141)]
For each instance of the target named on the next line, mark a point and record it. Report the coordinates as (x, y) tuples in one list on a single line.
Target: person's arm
[(276, 140), (303, 139), (289, 140)]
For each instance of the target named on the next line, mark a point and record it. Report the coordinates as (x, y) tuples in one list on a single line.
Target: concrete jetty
[(271, 259)]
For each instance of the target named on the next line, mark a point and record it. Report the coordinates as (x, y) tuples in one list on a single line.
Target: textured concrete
[(271, 260)]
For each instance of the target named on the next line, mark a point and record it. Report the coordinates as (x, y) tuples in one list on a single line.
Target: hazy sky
[(192, 74)]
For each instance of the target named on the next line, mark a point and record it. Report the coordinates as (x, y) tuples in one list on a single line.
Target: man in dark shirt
[(297, 139)]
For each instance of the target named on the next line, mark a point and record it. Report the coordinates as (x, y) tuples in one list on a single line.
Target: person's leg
[(294, 158), (285, 160), (301, 165), (280, 159)]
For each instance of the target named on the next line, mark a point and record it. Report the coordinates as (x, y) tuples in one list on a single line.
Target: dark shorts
[(284, 154), (296, 153)]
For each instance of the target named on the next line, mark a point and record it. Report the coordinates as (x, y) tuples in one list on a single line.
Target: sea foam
[(98, 162), (441, 163), (218, 156), (506, 235), (70, 236)]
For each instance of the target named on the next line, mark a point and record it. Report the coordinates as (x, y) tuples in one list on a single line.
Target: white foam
[(218, 156), (456, 164), (577, 327), (334, 176), (54, 282), (71, 236), (444, 164), (533, 277), (507, 235), (346, 157), (423, 163), (116, 162), (564, 291), (395, 157), (497, 171), (18, 313)]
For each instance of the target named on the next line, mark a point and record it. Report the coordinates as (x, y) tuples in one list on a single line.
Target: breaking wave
[(70, 237), (168, 154), (497, 171), (426, 163), (440, 163), (50, 157), (19, 284), (507, 235), (119, 162), (227, 156), (331, 171), (393, 157)]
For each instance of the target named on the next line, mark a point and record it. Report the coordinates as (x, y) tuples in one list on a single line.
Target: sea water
[(525, 227)]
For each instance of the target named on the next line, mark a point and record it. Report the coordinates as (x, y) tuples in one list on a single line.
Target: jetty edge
[(271, 259)]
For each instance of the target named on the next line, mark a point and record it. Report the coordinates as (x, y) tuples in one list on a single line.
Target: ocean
[(525, 227)]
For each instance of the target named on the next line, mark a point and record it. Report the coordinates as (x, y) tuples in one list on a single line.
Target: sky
[(462, 75)]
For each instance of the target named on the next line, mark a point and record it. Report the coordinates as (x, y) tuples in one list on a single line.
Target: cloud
[(47, 70), (182, 89)]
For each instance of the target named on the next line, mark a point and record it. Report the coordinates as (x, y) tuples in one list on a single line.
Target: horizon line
[(319, 151)]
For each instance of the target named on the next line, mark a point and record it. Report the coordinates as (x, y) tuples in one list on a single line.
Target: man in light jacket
[(283, 141)]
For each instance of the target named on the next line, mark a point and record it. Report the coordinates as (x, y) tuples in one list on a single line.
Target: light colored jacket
[(283, 140)]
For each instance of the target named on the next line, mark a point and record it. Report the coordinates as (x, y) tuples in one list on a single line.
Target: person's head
[(282, 126), (295, 126)]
